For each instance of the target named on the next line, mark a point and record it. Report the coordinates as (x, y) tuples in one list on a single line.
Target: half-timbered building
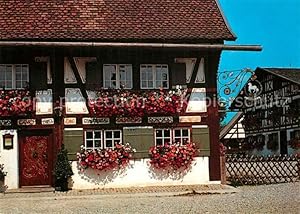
[(270, 102), (61, 60)]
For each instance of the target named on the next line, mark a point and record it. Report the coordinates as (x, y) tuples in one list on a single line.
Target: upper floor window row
[(152, 76), (14, 76)]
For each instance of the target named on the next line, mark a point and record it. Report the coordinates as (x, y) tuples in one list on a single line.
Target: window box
[(174, 156), (15, 103), (105, 159), (128, 103)]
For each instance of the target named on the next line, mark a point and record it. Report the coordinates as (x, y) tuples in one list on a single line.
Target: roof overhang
[(132, 45)]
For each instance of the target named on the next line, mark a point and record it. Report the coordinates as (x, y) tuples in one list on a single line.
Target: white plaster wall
[(10, 159), (139, 174)]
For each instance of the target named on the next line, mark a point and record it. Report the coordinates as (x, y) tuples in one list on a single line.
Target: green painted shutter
[(73, 139), (201, 138), (140, 138)]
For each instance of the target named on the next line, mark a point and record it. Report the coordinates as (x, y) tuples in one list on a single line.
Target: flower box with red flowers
[(172, 156), (129, 103), (105, 159), (15, 102)]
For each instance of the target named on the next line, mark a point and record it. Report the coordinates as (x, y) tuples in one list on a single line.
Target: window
[(99, 139), (14, 76), (167, 136), (112, 137), (182, 136), (117, 76), (93, 139), (154, 76), (162, 137)]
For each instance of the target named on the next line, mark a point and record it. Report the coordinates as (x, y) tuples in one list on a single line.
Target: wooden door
[(35, 158)]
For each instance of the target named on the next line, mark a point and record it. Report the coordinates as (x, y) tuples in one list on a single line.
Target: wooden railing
[(252, 170)]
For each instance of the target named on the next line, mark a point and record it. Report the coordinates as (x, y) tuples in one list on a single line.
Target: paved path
[(280, 198)]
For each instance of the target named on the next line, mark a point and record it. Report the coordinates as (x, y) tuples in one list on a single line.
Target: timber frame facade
[(271, 119), (66, 68)]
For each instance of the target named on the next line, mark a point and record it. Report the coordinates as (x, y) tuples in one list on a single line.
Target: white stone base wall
[(140, 174), (10, 159)]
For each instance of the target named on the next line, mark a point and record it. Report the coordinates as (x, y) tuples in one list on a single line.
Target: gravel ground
[(278, 198)]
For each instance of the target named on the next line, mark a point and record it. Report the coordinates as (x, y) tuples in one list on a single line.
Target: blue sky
[(274, 24)]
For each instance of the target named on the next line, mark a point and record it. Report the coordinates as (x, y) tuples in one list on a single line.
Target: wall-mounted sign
[(8, 142)]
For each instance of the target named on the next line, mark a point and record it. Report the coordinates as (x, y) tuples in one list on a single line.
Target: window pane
[(167, 141), (109, 143), (109, 76), (116, 134), (18, 76), (143, 75), (117, 141), (144, 84), (150, 84), (164, 76), (2, 74), (185, 141), (2, 84), (97, 134), (167, 133), (159, 142), (158, 133), (89, 143), (185, 132), (97, 143), (89, 135), (159, 84), (19, 84), (24, 76), (177, 133), (8, 73), (8, 84), (18, 69), (108, 134)]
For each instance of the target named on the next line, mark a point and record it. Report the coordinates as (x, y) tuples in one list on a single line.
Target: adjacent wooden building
[(272, 114)]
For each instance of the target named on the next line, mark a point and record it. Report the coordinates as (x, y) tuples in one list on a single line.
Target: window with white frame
[(93, 139), (181, 136), (112, 137), (99, 139), (154, 76), (162, 137), (14, 76), (117, 76), (167, 136)]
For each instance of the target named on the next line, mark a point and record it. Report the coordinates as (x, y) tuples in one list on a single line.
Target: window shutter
[(200, 136), (93, 75), (140, 138), (178, 72), (73, 139), (38, 76)]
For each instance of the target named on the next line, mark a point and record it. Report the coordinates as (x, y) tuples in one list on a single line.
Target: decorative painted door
[(35, 158)]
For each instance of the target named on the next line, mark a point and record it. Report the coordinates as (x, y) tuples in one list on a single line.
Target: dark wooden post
[(213, 124), (58, 87)]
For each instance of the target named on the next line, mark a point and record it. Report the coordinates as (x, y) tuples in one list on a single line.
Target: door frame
[(34, 132)]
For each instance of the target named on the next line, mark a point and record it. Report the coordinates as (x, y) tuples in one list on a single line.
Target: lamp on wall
[(58, 111), (8, 141)]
